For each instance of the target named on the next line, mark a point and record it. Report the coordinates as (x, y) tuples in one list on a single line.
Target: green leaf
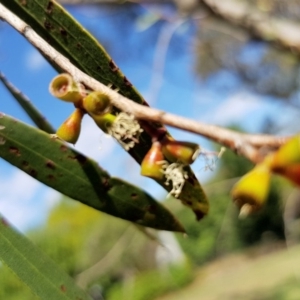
[(34, 268), (54, 163), (38, 119), (52, 22)]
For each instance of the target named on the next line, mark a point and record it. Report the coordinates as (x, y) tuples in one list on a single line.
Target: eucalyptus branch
[(253, 147), (258, 23)]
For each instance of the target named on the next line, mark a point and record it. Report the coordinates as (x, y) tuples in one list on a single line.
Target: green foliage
[(40, 273), (151, 284), (12, 288), (71, 173), (221, 231)]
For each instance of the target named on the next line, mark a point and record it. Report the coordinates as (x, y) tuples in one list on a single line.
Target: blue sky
[(173, 87)]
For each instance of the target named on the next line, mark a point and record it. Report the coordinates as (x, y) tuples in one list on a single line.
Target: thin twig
[(247, 145)]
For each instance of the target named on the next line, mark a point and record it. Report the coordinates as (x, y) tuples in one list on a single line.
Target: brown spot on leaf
[(51, 177), (63, 148), (63, 288), (134, 196), (50, 164), (79, 157), (151, 208), (63, 32), (113, 66), (23, 2), (106, 184), (49, 8), (33, 173), (48, 25), (15, 151), (25, 163), (127, 82), (4, 222)]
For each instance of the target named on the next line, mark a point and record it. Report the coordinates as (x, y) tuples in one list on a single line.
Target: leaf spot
[(15, 151), (25, 163), (2, 127), (127, 82), (50, 164), (4, 222), (51, 177), (79, 157), (63, 288), (33, 173), (113, 66), (2, 140), (63, 32), (48, 25), (134, 196), (63, 148), (49, 7)]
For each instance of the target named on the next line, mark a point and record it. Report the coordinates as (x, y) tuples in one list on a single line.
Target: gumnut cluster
[(168, 158), (251, 191), (123, 126)]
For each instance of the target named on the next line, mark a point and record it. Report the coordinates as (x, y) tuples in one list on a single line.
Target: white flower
[(175, 173), (126, 130)]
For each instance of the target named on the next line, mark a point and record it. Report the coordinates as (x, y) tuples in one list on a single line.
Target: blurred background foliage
[(115, 260)]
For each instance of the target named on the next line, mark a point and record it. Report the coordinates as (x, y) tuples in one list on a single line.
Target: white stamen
[(125, 128), (175, 173)]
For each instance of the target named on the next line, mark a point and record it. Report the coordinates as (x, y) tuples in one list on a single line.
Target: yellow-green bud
[(251, 191), (288, 154), (97, 103), (65, 88), (104, 122)]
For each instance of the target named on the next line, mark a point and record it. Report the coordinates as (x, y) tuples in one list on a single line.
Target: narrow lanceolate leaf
[(42, 275), (52, 22), (52, 162), (35, 115)]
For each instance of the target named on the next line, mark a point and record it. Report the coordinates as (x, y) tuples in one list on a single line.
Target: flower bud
[(251, 191), (70, 129), (97, 103), (65, 88), (287, 155), (152, 163), (291, 172), (105, 121), (178, 151)]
